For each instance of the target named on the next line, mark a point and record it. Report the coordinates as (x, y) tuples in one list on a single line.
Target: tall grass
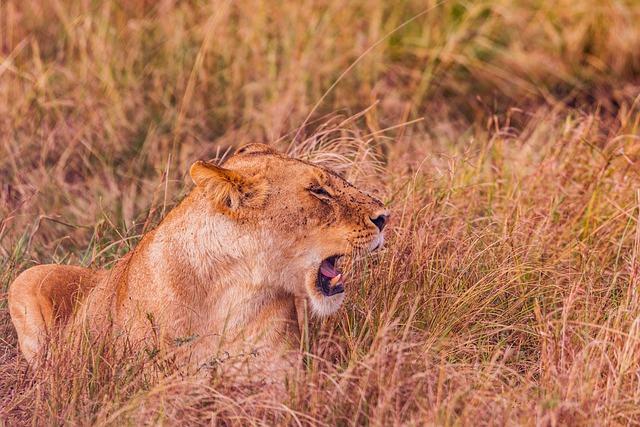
[(508, 290)]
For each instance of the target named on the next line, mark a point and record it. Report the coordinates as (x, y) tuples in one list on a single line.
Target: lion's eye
[(319, 192)]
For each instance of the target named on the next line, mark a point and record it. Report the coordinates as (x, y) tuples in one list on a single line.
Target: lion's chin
[(323, 306)]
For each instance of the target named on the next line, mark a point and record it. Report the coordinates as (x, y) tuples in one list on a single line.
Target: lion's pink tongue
[(328, 270)]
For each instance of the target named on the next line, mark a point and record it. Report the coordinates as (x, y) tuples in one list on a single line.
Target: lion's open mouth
[(329, 277)]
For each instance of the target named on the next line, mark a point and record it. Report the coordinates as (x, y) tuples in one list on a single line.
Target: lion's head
[(304, 216)]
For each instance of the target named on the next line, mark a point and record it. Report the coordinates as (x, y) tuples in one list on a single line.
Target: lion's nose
[(380, 220)]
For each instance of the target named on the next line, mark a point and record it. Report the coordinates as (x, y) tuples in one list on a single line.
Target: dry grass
[(509, 290)]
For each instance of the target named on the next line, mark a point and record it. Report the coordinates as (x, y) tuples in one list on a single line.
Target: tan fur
[(222, 270)]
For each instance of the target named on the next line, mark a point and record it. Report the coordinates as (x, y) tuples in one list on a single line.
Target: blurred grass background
[(502, 134)]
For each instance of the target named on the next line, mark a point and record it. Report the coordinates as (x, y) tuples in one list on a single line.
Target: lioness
[(224, 267)]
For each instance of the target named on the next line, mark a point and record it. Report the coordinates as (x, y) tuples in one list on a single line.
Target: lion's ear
[(229, 190), (256, 148)]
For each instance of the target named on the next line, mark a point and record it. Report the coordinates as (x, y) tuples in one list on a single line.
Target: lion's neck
[(212, 262)]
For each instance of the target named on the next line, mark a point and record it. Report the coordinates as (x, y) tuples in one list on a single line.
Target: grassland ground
[(504, 136)]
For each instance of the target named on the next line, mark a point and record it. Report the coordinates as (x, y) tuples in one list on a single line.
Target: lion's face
[(306, 216)]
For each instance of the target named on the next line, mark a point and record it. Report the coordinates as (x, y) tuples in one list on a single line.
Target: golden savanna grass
[(503, 135)]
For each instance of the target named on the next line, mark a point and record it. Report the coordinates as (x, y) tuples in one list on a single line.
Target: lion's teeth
[(334, 281)]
